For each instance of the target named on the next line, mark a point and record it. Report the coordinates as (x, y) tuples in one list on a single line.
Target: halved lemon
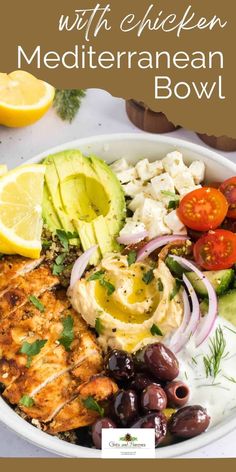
[(3, 169), (24, 99), (21, 196)]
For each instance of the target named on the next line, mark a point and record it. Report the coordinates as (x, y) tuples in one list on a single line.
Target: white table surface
[(99, 114)]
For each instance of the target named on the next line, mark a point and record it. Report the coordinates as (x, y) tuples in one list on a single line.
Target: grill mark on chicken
[(12, 267)]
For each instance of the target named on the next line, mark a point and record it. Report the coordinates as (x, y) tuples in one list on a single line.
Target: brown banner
[(176, 56)]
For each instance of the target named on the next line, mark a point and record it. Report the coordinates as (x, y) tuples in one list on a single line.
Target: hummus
[(128, 305)]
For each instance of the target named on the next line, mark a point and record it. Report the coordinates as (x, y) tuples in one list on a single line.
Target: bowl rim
[(60, 447)]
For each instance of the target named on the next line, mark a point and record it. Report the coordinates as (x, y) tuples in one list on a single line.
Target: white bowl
[(133, 147)]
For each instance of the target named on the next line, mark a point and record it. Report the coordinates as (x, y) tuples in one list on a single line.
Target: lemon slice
[(3, 169), (23, 98), (21, 196)]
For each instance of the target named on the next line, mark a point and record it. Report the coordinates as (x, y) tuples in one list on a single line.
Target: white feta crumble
[(132, 227), (161, 184), (137, 202), (127, 175), (120, 165), (197, 169), (132, 188), (173, 163), (147, 170), (174, 223), (183, 182)]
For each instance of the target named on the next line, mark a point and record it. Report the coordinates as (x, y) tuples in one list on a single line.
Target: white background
[(99, 114)]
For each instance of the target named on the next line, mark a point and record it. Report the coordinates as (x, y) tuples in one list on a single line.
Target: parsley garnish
[(32, 349), (148, 277), (65, 237), (27, 401), (67, 103), (37, 303), (46, 244), (132, 257), (103, 282), (67, 335), (99, 326), (217, 353), (176, 289), (173, 204), (58, 267), (92, 404), (155, 330), (172, 195), (160, 285)]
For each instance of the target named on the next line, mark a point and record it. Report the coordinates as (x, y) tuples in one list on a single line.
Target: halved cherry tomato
[(228, 188), (216, 250), (203, 209)]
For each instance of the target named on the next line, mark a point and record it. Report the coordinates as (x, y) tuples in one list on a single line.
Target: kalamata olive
[(153, 420), (97, 427), (177, 393), (141, 381), (119, 365), (161, 362), (84, 437), (189, 421), (125, 406), (139, 362), (153, 398)]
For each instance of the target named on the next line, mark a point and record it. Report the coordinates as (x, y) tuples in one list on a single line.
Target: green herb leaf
[(37, 303), (99, 326), (173, 195), (155, 330), (132, 257), (230, 379), (60, 259), (217, 353), (46, 244), (57, 269), (65, 237), (110, 287), (67, 335), (32, 349), (67, 103), (160, 285), (27, 401), (173, 204), (92, 404), (176, 289), (96, 276), (148, 277)]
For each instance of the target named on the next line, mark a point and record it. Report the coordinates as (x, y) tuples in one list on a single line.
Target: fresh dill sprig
[(217, 353), (67, 103)]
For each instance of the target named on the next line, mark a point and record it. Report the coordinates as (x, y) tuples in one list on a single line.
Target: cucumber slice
[(220, 279), (175, 268), (226, 306)]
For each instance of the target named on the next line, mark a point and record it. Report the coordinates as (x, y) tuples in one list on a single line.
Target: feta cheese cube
[(197, 169), (183, 182), (162, 183), (174, 223), (127, 175), (157, 228), (137, 202), (119, 166), (149, 210), (173, 163), (147, 170), (186, 190), (132, 188), (132, 227)]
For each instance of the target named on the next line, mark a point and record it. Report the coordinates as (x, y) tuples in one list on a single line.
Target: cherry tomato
[(203, 209), (216, 250), (228, 188)]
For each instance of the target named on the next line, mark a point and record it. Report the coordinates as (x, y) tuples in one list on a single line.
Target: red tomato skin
[(228, 188), (220, 245), (202, 202)]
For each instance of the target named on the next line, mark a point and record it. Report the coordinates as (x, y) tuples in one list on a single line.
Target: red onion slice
[(194, 319), (128, 239), (158, 242), (206, 323), (80, 265)]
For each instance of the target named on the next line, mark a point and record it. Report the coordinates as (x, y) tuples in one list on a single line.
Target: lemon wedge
[(23, 98), (3, 169), (21, 196)]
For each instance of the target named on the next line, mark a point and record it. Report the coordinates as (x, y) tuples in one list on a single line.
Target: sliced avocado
[(220, 280), (87, 196), (49, 212), (115, 217), (226, 306)]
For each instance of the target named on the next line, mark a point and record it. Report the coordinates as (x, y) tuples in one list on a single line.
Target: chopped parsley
[(172, 195), (148, 277), (65, 237), (99, 326), (32, 349), (37, 303), (176, 289), (27, 401), (217, 353), (160, 285), (58, 267), (173, 204), (103, 282), (132, 257), (92, 404), (155, 330), (67, 335)]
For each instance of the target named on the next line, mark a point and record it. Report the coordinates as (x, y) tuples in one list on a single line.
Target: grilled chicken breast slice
[(13, 266)]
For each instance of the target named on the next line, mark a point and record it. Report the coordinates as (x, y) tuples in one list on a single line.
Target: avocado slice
[(49, 213), (87, 197)]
